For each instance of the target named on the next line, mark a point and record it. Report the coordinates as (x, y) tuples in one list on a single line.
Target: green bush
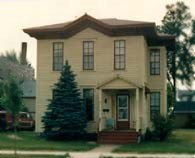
[(148, 135), (191, 121), (162, 127)]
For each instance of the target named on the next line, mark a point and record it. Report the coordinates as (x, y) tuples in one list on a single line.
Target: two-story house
[(120, 67)]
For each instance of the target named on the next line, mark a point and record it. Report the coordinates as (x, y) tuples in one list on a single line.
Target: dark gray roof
[(29, 88), (186, 95), (184, 107)]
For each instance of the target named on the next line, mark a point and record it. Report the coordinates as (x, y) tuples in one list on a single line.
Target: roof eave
[(147, 30)]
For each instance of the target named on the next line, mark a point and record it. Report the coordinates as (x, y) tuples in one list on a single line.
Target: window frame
[(156, 69), (62, 57), (154, 105), (84, 55), (92, 106), (119, 55)]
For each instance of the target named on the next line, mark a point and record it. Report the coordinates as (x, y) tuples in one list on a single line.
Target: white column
[(100, 109), (145, 123), (137, 110)]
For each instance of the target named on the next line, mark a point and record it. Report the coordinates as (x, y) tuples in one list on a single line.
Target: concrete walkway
[(103, 150)]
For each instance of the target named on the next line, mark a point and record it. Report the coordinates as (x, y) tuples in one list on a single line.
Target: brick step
[(116, 142), (117, 137)]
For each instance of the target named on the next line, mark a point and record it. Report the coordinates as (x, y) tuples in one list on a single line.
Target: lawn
[(181, 141), (30, 141)]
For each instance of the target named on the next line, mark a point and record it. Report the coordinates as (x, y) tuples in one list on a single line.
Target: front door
[(122, 114)]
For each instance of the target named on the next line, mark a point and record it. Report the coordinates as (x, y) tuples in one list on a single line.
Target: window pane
[(85, 44), (58, 56), (119, 54), (122, 65), (86, 51), (116, 44), (152, 58), (88, 96), (122, 43), (90, 51), (154, 61), (117, 51), (123, 114), (122, 59), (117, 66), (154, 103), (88, 55), (86, 66), (91, 45), (117, 59), (122, 50)]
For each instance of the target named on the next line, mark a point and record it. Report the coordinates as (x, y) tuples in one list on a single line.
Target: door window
[(122, 103)]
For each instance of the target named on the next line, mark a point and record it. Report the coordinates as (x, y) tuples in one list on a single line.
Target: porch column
[(137, 110), (100, 109), (144, 112)]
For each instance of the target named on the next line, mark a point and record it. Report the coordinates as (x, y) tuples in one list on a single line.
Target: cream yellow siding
[(137, 59)]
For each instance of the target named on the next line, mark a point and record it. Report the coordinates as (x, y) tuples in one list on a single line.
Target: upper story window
[(119, 55), (88, 97), (58, 50), (154, 103), (88, 55), (155, 62)]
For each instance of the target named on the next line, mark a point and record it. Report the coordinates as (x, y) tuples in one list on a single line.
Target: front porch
[(122, 111)]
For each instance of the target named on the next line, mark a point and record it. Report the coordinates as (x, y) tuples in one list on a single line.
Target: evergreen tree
[(65, 117)]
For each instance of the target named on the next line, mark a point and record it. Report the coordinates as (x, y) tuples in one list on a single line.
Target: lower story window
[(88, 97), (154, 103)]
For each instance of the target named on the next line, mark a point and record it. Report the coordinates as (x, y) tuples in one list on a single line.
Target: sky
[(16, 15)]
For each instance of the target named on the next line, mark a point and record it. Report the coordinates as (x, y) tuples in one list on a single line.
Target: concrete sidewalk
[(90, 154)]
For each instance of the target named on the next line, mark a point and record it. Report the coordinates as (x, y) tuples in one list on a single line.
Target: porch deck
[(117, 136)]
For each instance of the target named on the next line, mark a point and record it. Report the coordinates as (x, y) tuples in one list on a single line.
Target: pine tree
[(65, 117)]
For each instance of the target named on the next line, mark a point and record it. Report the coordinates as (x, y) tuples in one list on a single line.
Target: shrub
[(148, 134), (162, 127), (191, 121)]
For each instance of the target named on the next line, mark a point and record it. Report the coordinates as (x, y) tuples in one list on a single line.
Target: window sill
[(87, 71), (155, 74), (119, 70), (54, 71)]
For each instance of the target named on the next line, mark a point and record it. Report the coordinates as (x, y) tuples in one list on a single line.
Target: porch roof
[(118, 82)]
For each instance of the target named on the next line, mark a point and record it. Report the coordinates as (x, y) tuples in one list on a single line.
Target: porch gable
[(118, 82)]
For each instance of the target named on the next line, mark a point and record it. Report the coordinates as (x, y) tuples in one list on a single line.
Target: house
[(120, 67), (29, 96), (184, 114), (184, 109), (185, 95)]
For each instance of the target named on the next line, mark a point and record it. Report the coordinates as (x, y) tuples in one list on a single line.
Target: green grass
[(182, 141), (30, 141)]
